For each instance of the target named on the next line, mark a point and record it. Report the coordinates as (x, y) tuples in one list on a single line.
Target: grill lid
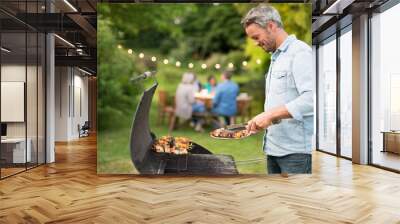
[(142, 138)]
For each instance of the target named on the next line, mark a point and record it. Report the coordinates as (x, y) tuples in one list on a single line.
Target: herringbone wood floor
[(69, 191)]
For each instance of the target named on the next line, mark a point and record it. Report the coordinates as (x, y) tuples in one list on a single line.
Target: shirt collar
[(287, 42), (284, 45)]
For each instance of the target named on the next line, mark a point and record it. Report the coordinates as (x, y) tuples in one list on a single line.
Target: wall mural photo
[(204, 89)]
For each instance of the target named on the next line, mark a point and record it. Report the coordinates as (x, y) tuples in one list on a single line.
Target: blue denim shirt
[(224, 102), (290, 82)]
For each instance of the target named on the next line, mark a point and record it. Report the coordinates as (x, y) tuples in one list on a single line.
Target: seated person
[(196, 84), (224, 102), (211, 84), (198, 116), (185, 103)]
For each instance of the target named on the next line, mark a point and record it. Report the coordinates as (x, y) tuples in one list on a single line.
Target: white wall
[(12, 101), (13, 73), (61, 103), (33, 126), (16, 73), (71, 94), (80, 111)]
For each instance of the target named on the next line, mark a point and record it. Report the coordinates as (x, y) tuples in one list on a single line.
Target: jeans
[(198, 108), (292, 163), (227, 120)]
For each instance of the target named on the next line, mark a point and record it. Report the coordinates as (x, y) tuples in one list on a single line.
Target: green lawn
[(114, 153)]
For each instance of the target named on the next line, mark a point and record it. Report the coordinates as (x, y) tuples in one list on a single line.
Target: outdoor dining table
[(206, 98), (243, 102)]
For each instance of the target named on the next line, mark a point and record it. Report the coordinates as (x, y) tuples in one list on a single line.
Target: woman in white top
[(185, 100)]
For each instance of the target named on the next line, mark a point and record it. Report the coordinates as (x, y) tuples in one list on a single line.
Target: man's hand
[(259, 122), (265, 119)]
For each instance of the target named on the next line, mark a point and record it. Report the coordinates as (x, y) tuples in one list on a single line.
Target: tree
[(218, 31), (117, 96)]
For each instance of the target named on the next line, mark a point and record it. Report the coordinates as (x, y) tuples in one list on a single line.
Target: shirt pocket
[(279, 82)]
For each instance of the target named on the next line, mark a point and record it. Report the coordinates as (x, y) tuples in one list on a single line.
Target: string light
[(190, 65), (258, 61)]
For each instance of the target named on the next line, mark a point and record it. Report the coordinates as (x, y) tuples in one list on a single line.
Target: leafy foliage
[(219, 31), (116, 94)]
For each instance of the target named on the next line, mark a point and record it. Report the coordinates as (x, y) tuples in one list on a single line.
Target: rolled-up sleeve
[(304, 79)]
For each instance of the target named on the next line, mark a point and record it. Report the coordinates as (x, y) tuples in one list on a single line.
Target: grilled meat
[(223, 133), (172, 145)]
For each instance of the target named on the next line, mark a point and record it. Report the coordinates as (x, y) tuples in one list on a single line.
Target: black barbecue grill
[(199, 160)]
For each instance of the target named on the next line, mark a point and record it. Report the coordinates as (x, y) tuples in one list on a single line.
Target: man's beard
[(269, 46)]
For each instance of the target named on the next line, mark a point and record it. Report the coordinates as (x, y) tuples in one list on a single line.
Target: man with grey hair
[(289, 102)]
